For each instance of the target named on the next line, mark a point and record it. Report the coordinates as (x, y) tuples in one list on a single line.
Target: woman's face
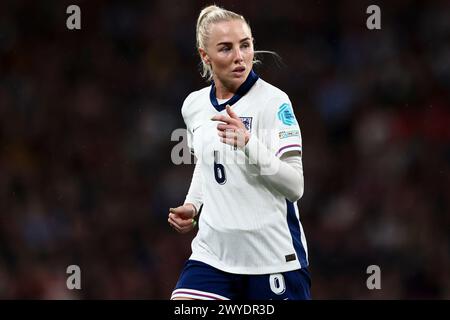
[(229, 52)]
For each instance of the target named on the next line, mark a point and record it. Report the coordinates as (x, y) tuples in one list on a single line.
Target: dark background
[(86, 116)]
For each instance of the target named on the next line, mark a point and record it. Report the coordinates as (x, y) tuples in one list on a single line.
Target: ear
[(204, 55)]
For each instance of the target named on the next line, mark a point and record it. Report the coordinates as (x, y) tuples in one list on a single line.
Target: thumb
[(185, 212), (231, 113)]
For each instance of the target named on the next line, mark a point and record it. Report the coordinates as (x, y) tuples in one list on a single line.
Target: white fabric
[(244, 227), (288, 180), (284, 176), (194, 195), (196, 294)]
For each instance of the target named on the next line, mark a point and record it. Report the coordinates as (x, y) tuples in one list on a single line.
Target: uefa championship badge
[(286, 115)]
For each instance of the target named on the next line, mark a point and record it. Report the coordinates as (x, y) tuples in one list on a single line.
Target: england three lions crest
[(247, 121)]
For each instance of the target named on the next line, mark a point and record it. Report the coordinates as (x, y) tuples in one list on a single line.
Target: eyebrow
[(222, 43)]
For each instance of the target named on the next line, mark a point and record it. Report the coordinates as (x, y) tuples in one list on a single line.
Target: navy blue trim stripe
[(294, 228), (241, 91)]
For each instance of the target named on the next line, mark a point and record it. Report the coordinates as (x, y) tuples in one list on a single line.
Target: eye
[(224, 49)]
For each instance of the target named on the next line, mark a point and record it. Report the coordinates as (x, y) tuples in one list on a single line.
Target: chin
[(239, 77)]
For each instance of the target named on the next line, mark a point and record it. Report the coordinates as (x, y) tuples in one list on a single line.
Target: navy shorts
[(201, 281)]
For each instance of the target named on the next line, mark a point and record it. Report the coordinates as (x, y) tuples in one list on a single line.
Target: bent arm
[(195, 194), (284, 174)]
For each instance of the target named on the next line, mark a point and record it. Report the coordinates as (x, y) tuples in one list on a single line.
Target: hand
[(233, 131), (182, 218)]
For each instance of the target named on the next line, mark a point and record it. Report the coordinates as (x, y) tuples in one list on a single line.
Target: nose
[(238, 55)]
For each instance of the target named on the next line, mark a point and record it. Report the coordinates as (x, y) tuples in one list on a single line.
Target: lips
[(239, 69), (238, 72)]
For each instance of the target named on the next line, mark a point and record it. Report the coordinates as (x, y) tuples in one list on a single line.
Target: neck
[(223, 91)]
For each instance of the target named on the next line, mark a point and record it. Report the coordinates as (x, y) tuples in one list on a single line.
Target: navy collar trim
[(241, 91)]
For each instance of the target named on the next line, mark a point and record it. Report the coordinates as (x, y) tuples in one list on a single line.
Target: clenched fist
[(182, 218)]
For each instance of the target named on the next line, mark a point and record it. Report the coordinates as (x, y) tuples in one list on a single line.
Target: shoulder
[(270, 89), (190, 103), (273, 97)]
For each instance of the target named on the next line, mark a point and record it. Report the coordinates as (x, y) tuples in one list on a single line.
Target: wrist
[(192, 206), (250, 145), (247, 137)]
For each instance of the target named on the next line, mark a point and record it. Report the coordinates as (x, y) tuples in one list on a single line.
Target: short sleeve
[(282, 132)]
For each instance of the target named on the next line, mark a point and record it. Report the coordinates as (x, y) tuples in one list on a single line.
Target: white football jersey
[(245, 226)]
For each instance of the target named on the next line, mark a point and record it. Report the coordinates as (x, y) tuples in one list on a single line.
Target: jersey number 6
[(219, 169)]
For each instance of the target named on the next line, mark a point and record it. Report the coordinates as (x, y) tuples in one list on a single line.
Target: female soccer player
[(247, 179)]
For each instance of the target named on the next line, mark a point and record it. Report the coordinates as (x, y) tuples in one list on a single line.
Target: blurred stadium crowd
[(86, 117)]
